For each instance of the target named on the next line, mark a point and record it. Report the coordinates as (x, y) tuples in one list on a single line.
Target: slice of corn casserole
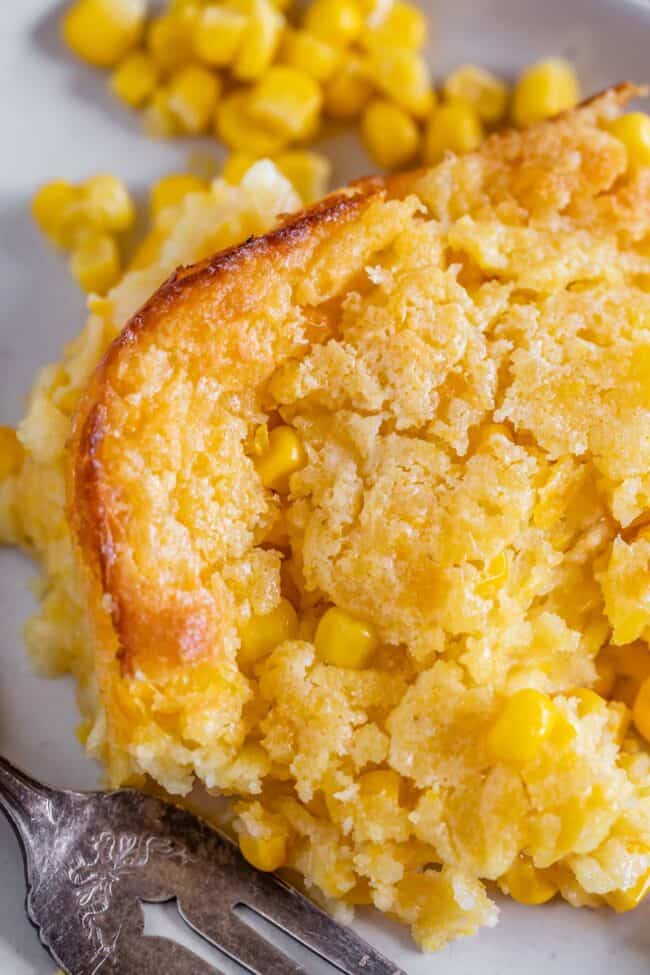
[(358, 513)]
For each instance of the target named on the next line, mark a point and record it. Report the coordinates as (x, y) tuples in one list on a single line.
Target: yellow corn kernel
[(217, 34), (171, 190), (285, 456), (108, 203), (348, 92), (343, 640), (544, 90), (389, 134), (308, 172), (310, 54), (261, 634), (527, 884), (403, 24), (236, 166), (82, 731), (159, 120), (259, 42), (360, 895), (495, 576), (633, 129), (627, 900), (192, 94), (453, 127), (337, 21), (626, 689), (631, 660), (286, 101), (604, 683), (486, 93), (384, 784), (170, 39), (236, 128), (102, 32), (641, 710), (487, 434), (404, 76), (57, 210), (521, 729), (266, 853), (148, 251), (95, 263), (11, 453), (134, 79), (589, 702)]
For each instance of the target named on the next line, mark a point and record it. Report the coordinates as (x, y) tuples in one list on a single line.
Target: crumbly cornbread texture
[(464, 354)]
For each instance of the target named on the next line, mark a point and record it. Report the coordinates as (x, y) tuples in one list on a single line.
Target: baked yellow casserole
[(358, 526)]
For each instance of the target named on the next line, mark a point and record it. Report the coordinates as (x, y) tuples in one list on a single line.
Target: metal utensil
[(93, 858)]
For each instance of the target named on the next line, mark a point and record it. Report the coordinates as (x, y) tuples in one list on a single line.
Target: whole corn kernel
[(384, 783), (495, 575), (641, 710), (134, 80), (627, 900), (287, 101), (310, 54), (589, 702), (285, 455), (348, 92), (218, 33), (170, 39), (236, 165), (486, 93), (102, 32), (403, 24), (236, 128), (11, 452), (527, 884), (453, 127), (259, 42), (308, 172), (159, 120), (172, 189), (338, 21), (633, 129), (403, 75), (52, 204), (192, 94), (389, 134), (261, 634), (95, 263), (108, 203), (544, 90), (265, 853), (521, 729), (489, 433), (148, 250), (343, 640)]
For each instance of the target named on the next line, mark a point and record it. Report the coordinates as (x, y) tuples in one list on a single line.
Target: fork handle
[(22, 799)]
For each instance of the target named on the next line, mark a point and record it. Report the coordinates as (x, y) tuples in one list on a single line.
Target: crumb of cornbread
[(480, 399)]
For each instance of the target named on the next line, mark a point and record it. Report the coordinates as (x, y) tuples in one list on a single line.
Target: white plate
[(56, 119)]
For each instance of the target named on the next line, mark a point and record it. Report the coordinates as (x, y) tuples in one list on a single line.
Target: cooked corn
[(453, 127), (404, 76), (95, 263), (641, 710), (495, 576), (287, 101), (285, 455), (11, 452), (134, 80), (403, 24), (526, 884), (343, 640), (52, 207), (237, 129), (383, 783), (604, 683), (308, 172), (633, 129), (102, 32), (172, 189), (170, 39), (337, 21), (236, 166), (159, 120), (310, 54), (544, 90), (486, 93), (627, 900), (108, 203), (521, 729), (261, 634), (259, 41), (266, 853), (589, 702), (631, 660), (192, 95), (389, 134), (218, 33), (348, 92)]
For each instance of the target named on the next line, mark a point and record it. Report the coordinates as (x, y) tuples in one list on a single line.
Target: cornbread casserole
[(358, 507)]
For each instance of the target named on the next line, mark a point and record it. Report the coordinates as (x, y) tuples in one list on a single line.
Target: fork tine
[(156, 954), (241, 942), (299, 917)]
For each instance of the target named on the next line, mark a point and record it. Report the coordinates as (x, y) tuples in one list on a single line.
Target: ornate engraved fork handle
[(24, 801)]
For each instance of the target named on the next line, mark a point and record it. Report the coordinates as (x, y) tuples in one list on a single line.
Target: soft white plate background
[(57, 120)]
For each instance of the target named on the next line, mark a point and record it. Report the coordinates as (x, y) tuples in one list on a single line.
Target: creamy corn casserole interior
[(357, 526)]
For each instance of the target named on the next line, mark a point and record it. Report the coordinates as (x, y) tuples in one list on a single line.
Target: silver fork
[(92, 859)]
